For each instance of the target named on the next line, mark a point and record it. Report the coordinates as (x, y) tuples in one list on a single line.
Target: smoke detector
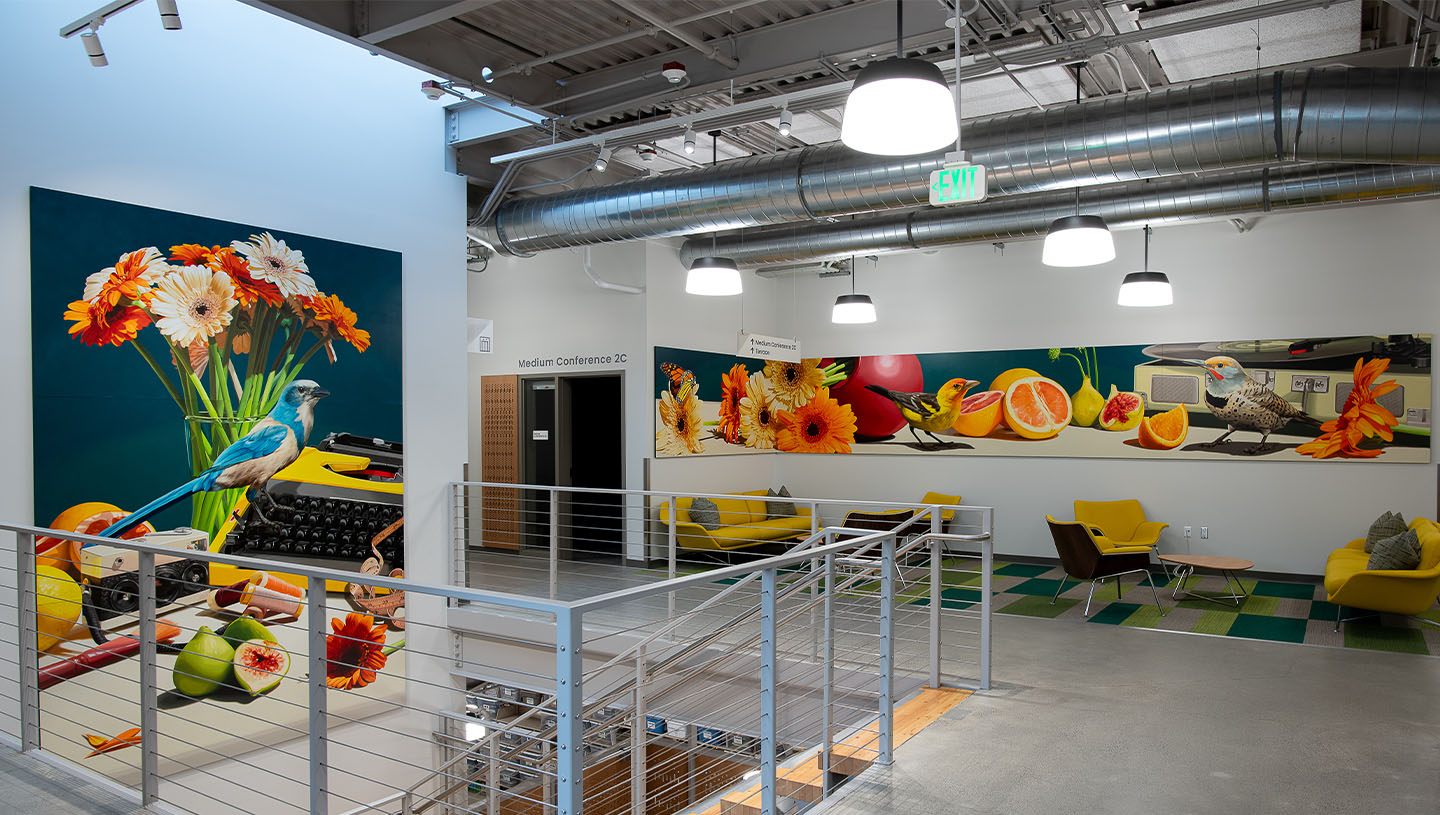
[(674, 72), (646, 151)]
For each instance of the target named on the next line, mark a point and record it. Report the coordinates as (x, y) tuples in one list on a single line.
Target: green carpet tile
[(1275, 610)]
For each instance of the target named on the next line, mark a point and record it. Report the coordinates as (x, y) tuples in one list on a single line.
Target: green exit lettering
[(958, 185)]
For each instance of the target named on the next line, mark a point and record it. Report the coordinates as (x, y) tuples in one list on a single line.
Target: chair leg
[(1151, 577), (1424, 621), (1091, 594), (1338, 609), (1063, 578)]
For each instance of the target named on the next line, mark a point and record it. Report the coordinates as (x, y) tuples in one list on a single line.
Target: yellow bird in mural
[(929, 412)]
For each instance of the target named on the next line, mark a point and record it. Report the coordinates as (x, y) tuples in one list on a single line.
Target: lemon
[(57, 605)]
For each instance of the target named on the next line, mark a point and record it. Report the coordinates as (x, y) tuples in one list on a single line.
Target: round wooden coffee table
[(1227, 566)]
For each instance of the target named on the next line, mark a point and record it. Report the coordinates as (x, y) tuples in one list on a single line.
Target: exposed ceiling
[(585, 68)]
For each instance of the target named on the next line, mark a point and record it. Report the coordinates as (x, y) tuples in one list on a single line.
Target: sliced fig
[(260, 665)]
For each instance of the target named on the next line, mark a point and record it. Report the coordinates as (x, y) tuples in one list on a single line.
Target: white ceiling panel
[(1297, 37)]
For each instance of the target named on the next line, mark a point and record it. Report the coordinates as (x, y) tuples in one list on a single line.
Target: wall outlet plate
[(1187, 531), (1204, 532)]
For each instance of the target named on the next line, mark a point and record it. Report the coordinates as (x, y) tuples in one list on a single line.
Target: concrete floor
[(1102, 719), (32, 787)]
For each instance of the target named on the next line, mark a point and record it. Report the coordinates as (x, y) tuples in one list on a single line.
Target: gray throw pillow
[(779, 509), (704, 512), (1386, 526), (1399, 552)]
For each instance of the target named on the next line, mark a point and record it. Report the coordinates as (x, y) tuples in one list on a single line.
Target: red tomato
[(876, 416)]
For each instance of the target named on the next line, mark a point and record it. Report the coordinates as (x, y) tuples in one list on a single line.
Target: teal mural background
[(104, 428)]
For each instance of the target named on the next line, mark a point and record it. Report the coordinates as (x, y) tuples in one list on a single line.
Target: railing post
[(673, 539), (29, 641), (827, 664), (936, 604), (814, 517), (149, 726), (315, 614), (492, 774), (767, 692), (554, 543), (887, 648), (987, 559), (569, 712), (638, 739)]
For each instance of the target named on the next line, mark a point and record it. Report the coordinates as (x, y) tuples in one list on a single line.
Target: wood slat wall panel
[(500, 461)]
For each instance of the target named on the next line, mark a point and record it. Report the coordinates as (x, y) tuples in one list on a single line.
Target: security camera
[(93, 49), (431, 89), (169, 15), (674, 72)]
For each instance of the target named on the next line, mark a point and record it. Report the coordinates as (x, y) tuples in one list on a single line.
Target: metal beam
[(711, 52), (415, 16)]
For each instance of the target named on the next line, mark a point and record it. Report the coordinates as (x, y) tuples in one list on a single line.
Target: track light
[(786, 120), (93, 49), (1146, 289), (169, 15), (689, 139), (602, 161)]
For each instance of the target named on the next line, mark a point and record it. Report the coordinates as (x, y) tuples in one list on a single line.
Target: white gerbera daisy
[(193, 303), (271, 260), (145, 265)]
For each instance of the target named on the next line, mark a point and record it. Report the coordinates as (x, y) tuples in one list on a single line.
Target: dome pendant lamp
[(1146, 289), (713, 276), (899, 106), (1078, 240), (852, 308)]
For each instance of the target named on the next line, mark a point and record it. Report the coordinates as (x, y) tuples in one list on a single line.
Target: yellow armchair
[(1119, 523), (1391, 591)]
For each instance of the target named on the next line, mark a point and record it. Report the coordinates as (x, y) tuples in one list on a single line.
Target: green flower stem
[(1084, 371), (164, 380), (834, 373), (392, 648)]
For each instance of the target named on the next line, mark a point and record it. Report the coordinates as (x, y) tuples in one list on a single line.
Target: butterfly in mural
[(682, 382)]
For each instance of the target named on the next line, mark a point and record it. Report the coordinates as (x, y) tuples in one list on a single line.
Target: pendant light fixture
[(899, 106), (713, 276), (1146, 288), (1078, 240), (852, 308)]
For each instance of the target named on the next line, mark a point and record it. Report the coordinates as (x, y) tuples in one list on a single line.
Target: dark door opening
[(591, 454), (538, 443)]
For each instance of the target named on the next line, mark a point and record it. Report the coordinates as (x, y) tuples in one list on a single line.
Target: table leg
[(1233, 598)]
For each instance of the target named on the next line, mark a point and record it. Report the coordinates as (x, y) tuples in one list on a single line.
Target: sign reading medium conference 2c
[(785, 349), (958, 184)]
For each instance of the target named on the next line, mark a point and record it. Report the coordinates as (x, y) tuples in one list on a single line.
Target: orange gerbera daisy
[(354, 652), (131, 278), (822, 425), (732, 390), (98, 324), (193, 254), (333, 314), (1362, 417), (248, 290)]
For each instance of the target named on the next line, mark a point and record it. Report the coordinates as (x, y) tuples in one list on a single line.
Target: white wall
[(1355, 271), (243, 116)]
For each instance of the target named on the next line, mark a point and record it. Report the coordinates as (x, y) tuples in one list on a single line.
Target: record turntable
[(1316, 374)]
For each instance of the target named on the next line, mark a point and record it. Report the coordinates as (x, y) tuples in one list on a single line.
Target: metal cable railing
[(652, 691)]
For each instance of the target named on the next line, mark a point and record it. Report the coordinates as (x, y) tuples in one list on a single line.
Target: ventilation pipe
[(1345, 115), (1228, 195)]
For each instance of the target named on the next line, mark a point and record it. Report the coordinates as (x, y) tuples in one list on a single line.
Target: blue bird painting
[(271, 445)]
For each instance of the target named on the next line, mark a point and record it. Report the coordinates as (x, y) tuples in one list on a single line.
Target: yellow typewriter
[(323, 510)]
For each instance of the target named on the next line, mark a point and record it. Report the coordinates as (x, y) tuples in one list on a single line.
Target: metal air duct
[(1023, 216), (1349, 115)]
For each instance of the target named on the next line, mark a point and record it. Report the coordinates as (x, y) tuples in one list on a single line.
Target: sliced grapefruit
[(1036, 407), (65, 554), (1165, 431), (1003, 382), (979, 413)]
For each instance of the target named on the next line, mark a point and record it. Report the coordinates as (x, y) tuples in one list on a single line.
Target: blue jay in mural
[(271, 445)]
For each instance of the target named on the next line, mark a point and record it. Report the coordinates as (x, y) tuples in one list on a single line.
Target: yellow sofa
[(1391, 591), (744, 523)]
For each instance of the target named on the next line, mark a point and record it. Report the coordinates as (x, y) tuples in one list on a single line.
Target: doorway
[(573, 436)]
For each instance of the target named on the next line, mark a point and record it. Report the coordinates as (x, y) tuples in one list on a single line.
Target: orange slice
[(1165, 431), (1036, 407), (979, 414)]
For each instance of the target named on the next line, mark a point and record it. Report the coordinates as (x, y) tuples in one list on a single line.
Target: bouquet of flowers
[(235, 321)]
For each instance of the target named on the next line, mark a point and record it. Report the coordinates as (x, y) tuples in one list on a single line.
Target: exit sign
[(957, 184)]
